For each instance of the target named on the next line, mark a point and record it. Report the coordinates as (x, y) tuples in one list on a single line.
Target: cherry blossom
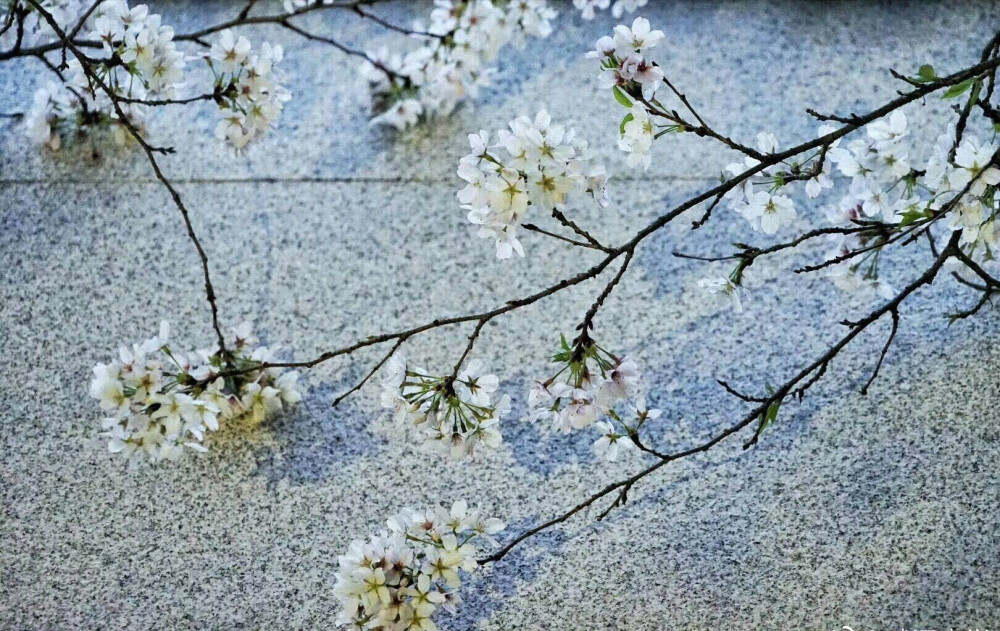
[(159, 402), (401, 578), (535, 164)]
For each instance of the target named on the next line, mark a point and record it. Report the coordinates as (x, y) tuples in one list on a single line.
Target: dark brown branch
[(468, 347), (707, 214), (569, 223), (739, 395), (358, 8), (533, 228), (987, 278), (968, 283), (278, 18), (209, 96), (149, 150), (968, 313), (242, 15), (779, 394), (700, 130), (963, 116), (375, 368), (885, 350), (588, 319)]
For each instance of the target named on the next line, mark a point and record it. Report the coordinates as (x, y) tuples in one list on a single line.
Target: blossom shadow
[(314, 441), (539, 450), (486, 594)]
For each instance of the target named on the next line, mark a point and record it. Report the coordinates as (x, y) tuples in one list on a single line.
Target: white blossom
[(34, 28), (767, 212), (637, 138), (432, 80), (726, 289), (636, 39), (399, 579), (140, 62), (158, 402), (611, 442), (252, 97), (534, 164), (592, 388), (453, 415)]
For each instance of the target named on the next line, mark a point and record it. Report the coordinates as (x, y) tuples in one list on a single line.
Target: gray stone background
[(876, 512)]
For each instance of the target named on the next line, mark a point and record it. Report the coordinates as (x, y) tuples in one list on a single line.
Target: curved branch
[(779, 394), (658, 223), (149, 150)]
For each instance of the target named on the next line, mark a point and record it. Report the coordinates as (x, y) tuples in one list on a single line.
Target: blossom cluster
[(589, 8), (35, 29), (141, 62), (52, 111), (399, 579), (250, 95), (592, 387), (885, 192), (159, 401), (634, 80), (535, 164), (142, 67), (464, 36), (456, 414), (886, 189)]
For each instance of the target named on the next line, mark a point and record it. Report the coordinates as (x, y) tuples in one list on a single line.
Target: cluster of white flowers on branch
[(159, 401), (535, 164), (886, 200), (248, 91), (457, 413), (145, 70), (462, 38), (142, 68), (593, 387), (399, 579), (631, 76), (29, 29), (140, 63), (885, 195)]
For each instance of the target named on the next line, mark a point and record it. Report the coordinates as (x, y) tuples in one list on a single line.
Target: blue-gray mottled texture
[(877, 512)]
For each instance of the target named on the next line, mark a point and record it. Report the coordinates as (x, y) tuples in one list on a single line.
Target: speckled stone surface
[(877, 512)]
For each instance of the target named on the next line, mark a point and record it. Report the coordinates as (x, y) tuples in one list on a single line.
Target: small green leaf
[(625, 121), (958, 89), (926, 73), (621, 97), (912, 216), (563, 342), (772, 411)]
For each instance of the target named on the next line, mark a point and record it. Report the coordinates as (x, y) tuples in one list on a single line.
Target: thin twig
[(533, 228), (885, 350), (569, 223), (925, 278), (149, 150), (381, 362)]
